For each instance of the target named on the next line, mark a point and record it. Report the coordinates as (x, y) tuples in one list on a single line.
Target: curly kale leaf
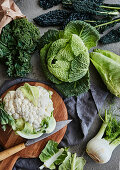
[(7, 38), (4, 51), (45, 4), (18, 40), (26, 34), (112, 37), (18, 64), (52, 18), (74, 88)]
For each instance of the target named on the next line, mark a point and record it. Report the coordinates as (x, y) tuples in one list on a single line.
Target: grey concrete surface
[(31, 9)]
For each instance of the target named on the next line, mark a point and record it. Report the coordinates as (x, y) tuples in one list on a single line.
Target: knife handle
[(8, 152)]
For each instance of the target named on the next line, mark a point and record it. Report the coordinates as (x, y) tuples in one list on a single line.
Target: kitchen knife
[(8, 152)]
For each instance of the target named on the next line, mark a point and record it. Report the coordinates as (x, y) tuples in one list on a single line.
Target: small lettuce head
[(108, 65)]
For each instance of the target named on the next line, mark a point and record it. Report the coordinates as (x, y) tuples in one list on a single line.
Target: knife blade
[(8, 152), (59, 126)]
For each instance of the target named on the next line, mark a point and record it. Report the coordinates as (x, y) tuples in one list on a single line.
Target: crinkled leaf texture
[(108, 65), (49, 37), (65, 58), (74, 88), (85, 31), (67, 89), (18, 40)]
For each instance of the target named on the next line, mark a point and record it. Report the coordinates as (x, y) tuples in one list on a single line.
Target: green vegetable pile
[(65, 58), (108, 65), (96, 12), (60, 158), (18, 41)]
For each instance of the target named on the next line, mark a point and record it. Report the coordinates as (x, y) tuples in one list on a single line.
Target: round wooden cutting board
[(9, 138)]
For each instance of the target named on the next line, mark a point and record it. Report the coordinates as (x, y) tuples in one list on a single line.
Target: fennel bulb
[(100, 148)]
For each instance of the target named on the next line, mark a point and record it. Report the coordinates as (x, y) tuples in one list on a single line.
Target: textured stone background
[(31, 9)]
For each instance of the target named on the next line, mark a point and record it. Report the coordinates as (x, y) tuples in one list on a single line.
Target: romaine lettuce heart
[(108, 66)]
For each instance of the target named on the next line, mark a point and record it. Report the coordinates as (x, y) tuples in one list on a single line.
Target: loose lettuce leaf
[(85, 31), (52, 156), (72, 162), (108, 66), (30, 92), (74, 88)]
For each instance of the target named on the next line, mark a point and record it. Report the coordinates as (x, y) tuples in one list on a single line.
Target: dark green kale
[(76, 16), (45, 4), (111, 6), (112, 37), (52, 18), (4, 51), (67, 4), (18, 40), (91, 7), (106, 23)]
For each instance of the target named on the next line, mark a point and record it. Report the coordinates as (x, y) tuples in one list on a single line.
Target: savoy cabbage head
[(65, 57)]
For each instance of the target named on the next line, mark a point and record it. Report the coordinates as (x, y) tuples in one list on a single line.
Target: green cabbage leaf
[(72, 163), (85, 31)]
